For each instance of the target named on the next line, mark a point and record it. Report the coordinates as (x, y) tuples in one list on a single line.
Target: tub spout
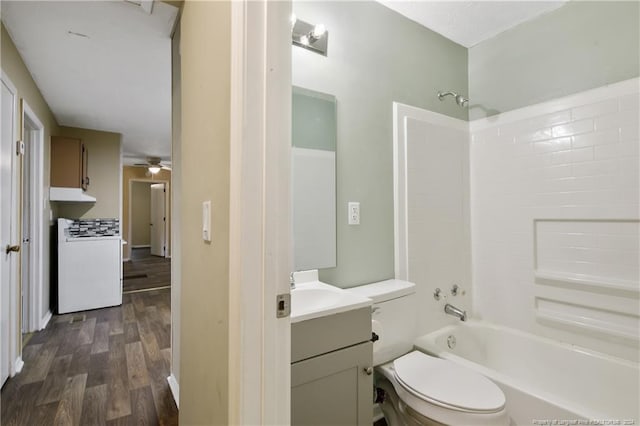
[(452, 310)]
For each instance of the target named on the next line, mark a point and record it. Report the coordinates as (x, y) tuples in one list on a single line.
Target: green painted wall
[(580, 46), (375, 57)]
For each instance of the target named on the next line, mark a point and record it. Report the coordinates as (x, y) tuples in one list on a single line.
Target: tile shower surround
[(555, 218)]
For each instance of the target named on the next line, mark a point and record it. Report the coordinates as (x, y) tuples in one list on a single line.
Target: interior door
[(157, 220), (8, 259)]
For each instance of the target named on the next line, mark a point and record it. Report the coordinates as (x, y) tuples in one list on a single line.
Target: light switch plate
[(206, 221)]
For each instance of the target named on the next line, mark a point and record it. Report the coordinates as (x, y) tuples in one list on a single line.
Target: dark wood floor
[(100, 367), (144, 271)]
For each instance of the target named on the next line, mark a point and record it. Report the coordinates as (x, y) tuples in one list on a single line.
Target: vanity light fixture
[(310, 37)]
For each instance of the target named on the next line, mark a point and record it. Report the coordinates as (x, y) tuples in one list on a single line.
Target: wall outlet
[(354, 213)]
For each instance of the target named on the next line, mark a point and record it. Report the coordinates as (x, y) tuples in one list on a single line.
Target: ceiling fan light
[(154, 169)]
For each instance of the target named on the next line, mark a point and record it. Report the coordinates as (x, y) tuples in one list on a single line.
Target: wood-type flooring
[(144, 271), (100, 367)]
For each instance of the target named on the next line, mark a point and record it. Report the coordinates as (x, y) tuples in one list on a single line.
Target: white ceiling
[(470, 22), (117, 77)]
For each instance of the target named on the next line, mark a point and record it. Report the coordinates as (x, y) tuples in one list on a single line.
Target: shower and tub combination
[(545, 200), (542, 379)]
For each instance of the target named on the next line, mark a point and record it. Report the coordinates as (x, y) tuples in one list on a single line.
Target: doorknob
[(11, 248)]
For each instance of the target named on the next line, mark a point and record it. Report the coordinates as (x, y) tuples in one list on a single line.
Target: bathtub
[(544, 381)]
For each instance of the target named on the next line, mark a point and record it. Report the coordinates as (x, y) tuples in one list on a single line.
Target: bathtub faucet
[(452, 310)]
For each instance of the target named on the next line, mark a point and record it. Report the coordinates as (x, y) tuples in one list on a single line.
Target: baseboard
[(19, 364), (175, 389), (45, 320), (141, 246)]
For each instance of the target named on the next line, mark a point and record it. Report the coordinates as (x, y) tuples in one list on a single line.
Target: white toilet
[(416, 388)]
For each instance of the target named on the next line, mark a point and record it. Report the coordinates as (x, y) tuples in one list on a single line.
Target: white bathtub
[(543, 380)]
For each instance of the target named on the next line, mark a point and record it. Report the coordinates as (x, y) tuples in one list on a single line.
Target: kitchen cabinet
[(69, 163), (331, 370)]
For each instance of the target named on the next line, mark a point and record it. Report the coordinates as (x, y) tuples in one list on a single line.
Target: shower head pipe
[(460, 100)]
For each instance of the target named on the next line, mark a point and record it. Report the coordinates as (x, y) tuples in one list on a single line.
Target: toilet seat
[(445, 384)]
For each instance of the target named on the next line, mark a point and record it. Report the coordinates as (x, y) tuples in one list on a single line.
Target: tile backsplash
[(94, 228)]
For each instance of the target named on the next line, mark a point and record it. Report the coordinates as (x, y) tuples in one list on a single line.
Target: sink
[(316, 299)]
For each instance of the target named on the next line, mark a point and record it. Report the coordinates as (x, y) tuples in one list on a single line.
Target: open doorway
[(35, 312), (147, 228)]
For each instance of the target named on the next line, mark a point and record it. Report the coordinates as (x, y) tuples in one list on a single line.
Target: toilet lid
[(447, 383)]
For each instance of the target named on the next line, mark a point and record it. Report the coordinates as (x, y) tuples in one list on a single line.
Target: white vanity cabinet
[(331, 370)]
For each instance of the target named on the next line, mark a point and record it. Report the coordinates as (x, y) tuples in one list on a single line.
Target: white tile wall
[(438, 219), (555, 190)]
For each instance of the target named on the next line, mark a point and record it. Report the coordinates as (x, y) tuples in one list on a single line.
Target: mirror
[(313, 183)]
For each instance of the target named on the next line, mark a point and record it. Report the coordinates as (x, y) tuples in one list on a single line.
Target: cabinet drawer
[(322, 335)]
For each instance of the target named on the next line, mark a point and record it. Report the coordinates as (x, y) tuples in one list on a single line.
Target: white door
[(158, 218), (8, 259)]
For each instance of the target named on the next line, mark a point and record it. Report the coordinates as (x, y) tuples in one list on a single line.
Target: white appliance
[(89, 270)]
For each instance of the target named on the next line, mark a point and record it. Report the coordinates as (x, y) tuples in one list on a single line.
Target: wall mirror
[(313, 183)]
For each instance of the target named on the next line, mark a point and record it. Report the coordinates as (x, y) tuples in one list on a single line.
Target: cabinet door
[(66, 159), (333, 389), (85, 167)]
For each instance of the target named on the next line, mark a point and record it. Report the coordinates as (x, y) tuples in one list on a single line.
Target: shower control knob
[(455, 289), (369, 371), (436, 294)]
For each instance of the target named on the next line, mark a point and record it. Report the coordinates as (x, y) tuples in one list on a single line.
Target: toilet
[(415, 388)]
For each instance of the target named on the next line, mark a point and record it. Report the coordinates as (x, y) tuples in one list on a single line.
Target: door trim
[(36, 319), (259, 378)]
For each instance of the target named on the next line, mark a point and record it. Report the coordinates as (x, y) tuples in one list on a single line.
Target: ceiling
[(470, 22), (101, 65), (107, 65)]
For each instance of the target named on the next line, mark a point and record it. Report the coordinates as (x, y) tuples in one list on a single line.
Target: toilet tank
[(394, 317)]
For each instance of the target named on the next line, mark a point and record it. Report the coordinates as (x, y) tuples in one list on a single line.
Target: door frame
[(259, 379), (34, 288), (167, 209), (15, 328)]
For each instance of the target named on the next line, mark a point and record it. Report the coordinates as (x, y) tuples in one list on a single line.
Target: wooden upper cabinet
[(69, 158)]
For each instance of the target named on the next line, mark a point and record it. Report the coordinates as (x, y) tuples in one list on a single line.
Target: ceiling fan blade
[(166, 167), (141, 165)]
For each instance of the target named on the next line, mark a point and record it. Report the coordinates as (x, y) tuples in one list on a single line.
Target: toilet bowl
[(416, 388), (426, 390)]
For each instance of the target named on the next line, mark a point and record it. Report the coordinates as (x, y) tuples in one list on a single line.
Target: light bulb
[(304, 40), (318, 31), (154, 169)]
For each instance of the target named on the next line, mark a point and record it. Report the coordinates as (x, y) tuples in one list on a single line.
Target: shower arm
[(441, 95), (460, 100)]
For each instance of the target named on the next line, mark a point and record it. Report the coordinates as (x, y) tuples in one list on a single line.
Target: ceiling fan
[(154, 165)]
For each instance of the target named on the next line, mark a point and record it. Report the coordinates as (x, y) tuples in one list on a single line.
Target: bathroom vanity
[(331, 357)]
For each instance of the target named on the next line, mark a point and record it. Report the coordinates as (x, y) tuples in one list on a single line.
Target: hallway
[(101, 367)]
